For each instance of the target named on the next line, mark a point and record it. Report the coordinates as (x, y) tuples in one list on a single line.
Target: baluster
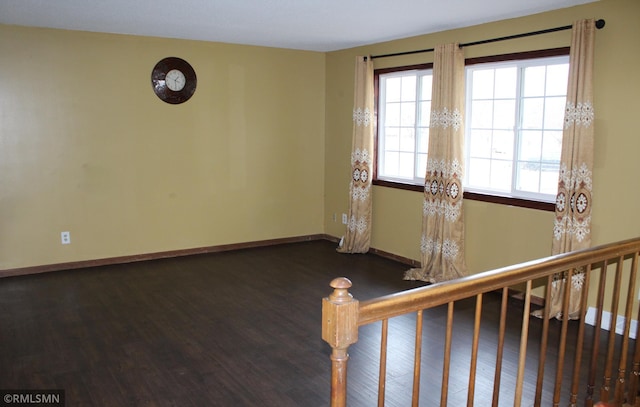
[(593, 366), (621, 383), (566, 296), (575, 381), (632, 397), (417, 359), (444, 391), (524, 334), (474, 352), (500, 350), (544, 341), (382, 376), (605, 392), (339, 330)]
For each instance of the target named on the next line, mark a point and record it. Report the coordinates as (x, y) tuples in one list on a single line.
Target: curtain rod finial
[(600, 23)]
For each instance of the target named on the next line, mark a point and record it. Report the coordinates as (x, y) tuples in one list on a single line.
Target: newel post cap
[(340, 315)]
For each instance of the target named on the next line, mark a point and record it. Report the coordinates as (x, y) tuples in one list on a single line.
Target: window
[(513, 125), (404, 108), (514, 121)]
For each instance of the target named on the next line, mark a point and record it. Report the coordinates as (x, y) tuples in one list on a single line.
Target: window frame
[(477, 196), (376, 81)]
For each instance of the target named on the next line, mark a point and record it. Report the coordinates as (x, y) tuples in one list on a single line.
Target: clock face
[(173, 80)]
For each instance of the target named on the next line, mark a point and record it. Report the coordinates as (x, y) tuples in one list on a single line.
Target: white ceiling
[(315, 25)]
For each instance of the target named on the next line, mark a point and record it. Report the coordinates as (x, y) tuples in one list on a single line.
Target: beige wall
[(87, 147), (499, 235)]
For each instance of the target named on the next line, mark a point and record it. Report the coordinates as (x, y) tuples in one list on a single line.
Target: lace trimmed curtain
[(572, 224), (442, 245), (358, 234)]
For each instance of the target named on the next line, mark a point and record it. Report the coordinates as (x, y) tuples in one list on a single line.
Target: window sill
[(474, 196)]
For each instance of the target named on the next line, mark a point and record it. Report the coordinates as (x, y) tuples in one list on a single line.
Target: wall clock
[(173, 80)]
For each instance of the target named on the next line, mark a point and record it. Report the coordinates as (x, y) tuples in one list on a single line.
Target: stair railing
[(613, 266)]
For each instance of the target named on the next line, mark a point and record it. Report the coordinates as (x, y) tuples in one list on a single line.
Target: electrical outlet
[(65, 237), (335, 219), (344, 219)]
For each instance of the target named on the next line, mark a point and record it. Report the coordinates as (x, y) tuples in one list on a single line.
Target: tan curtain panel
[(572, 224), (358, 234), (442, 246)]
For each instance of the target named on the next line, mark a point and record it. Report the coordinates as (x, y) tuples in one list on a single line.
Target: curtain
[(572, 224), (442, 245), (358, 234)]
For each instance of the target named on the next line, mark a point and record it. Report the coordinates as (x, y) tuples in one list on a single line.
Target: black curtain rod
[(599, 24)]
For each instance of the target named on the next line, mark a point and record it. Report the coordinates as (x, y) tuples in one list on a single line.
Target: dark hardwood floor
[(239, 328)]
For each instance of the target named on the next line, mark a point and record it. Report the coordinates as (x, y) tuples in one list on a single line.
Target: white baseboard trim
[(590, 319)]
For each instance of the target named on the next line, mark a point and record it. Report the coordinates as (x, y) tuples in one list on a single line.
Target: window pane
[(506, 83), (392, 93), (534, 81), (554, 112), (392, 114), (408, 117), (502, 145), (421, 166), (480, 145), (532, 113), (528, 177), (530, 146), (482, 114), (483, 84), (391, 139), (391, 163), (425, 114), (551, 146), (504, 112), (408, 88), (549, 179), (407, 139), (423, 140), (427, 82), (557, 79), (501, 175), (479, 172), (406, 165)]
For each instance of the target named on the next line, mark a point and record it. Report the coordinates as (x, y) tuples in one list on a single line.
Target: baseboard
[(158, 255), (607, 318), (519, 295), (188, 252), (395, 257), (382, 253)]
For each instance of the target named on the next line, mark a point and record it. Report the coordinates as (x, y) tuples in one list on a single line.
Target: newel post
[(339, 329)]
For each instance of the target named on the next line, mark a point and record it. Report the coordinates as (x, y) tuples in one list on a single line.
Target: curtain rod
[(599, 24)]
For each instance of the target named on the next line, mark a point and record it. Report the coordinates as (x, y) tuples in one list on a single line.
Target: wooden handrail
[(442, 293)]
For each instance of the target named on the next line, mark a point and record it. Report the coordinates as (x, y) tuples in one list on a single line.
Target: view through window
[(513, 125)]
